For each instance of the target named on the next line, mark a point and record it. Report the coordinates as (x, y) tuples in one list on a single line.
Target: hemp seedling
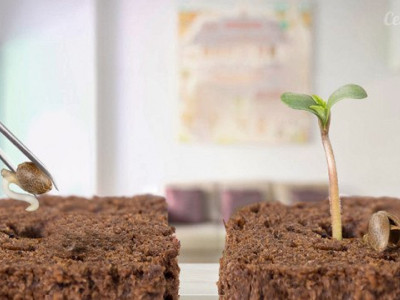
[(322, 109), (29, 178)]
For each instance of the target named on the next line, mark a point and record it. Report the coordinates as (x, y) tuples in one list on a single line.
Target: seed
[(32, 179), (383, 231), (29, 178)]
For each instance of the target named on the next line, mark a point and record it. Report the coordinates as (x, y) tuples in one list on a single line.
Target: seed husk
[(383, 231), (32, 179)]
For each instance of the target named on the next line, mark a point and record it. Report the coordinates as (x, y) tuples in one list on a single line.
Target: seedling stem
[(334, 198)]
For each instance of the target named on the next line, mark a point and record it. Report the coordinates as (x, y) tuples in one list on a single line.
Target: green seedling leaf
[(352, 91), (313, 104), (319, 100), (298, 101), (321, 112)]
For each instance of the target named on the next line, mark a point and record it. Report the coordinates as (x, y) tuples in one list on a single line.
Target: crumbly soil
[(274, 251), (75, 248)]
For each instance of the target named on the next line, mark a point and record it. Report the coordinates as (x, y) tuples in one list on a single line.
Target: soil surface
[(274, 251), (76, 248)]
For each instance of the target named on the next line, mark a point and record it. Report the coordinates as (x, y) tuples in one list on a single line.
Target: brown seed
[(383, 231), (32, 179)]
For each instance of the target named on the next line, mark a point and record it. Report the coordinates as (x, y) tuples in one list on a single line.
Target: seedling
[(322, 109), (29, 178)]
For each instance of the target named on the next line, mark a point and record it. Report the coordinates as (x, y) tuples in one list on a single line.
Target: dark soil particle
[(287, 253), (76, 248)]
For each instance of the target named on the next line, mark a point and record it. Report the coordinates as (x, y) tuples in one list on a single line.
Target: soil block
[(274, 251), (76, 248)]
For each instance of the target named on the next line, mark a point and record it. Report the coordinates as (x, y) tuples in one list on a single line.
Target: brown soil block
[(75, 248), (274, 251)]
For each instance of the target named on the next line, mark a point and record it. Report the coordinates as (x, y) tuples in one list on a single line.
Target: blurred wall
[(351, 45), (47, 86), (136, 85)]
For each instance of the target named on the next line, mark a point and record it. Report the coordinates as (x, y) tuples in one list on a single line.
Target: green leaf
[(321, 112), (298, 101), (352, 91), (319, 100)]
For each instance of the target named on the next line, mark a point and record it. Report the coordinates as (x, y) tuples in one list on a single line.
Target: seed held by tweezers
[(32, 179), (29, 178)]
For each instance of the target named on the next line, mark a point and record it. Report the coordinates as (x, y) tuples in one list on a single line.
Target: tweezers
[(21, 147)]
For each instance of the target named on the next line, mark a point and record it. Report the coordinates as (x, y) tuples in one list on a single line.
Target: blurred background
[(181, 98)]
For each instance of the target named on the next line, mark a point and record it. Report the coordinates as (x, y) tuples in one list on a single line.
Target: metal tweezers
[(21, 147)]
